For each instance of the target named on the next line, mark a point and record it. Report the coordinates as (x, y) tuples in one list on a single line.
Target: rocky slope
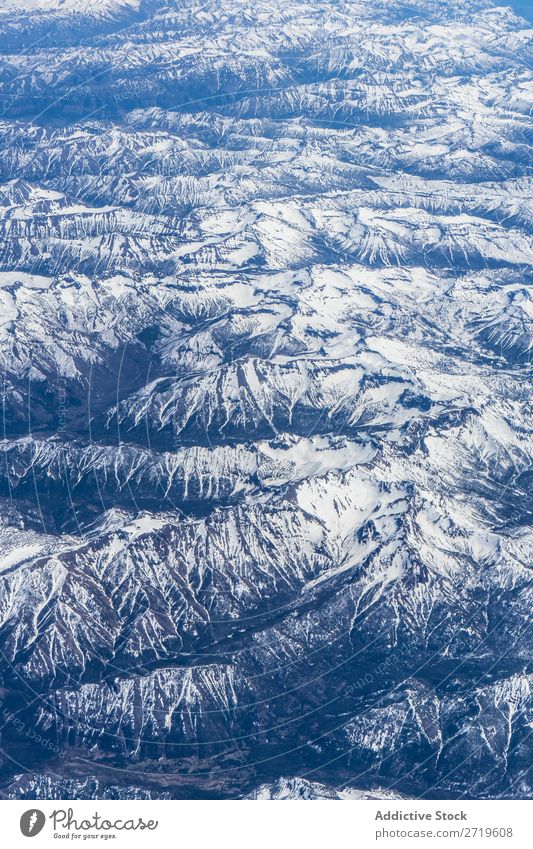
[(266, 327)]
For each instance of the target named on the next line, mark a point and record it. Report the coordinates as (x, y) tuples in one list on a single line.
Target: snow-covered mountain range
[(265, 462)]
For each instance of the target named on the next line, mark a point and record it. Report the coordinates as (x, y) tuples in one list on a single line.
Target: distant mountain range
[(265, 468)]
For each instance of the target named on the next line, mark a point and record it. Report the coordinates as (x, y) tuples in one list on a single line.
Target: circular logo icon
[(32, 822)]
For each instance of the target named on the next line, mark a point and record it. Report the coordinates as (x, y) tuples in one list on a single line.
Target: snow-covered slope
[(265, 459)]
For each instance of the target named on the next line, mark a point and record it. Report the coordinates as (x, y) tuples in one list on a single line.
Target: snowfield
[(265, 459)]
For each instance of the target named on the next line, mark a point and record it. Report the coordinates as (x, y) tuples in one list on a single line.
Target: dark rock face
[(265, 330)]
